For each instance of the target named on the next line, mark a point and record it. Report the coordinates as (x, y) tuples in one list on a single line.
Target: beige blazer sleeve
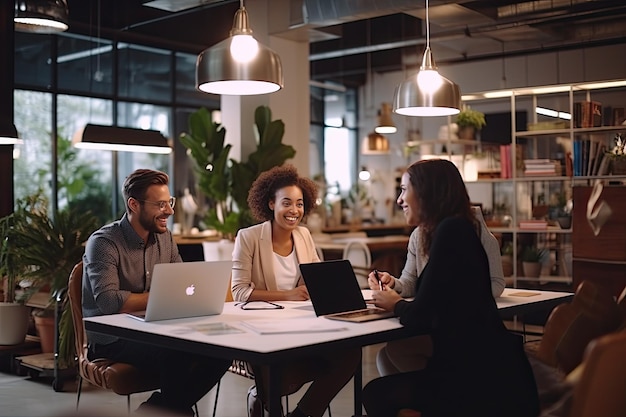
[(253, 258)]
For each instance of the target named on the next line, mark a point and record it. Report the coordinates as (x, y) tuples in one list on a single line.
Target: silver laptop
[(335, 292), (186, 289)]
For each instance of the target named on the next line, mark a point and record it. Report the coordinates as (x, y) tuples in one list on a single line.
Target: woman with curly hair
[(266, 263)]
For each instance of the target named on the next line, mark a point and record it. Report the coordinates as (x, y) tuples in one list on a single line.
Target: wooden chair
[(121, 378), (602, 384)]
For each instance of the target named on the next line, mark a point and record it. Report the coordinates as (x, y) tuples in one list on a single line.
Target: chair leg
[(195, 410), (217, 393), (128, 403), (78, 390), (329, 413)]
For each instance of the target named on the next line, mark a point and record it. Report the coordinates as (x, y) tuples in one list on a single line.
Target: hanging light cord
[(427, 27)]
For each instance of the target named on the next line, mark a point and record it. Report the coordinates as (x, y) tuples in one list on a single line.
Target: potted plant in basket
[(469, 122), (532, 257), (618, 156), (41, 251)]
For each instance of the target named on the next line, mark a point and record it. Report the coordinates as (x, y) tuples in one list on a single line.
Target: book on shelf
[(533, 224), (507, 164), (587, 114)]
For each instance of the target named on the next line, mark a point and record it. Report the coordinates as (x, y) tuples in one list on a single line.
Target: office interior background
[(132, 64)]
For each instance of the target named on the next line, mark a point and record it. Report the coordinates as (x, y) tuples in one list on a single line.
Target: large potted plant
[(223, 181), (532, 257), (42, 250)]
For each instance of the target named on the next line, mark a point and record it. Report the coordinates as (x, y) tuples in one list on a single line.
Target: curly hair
[(264, 189)]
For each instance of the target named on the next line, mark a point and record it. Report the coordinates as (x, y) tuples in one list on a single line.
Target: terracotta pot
[(45, 330), (531, 269)]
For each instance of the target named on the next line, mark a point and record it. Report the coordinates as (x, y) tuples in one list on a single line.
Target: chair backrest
[(358, 253), (75, 295), (571, 326), (601, 387)]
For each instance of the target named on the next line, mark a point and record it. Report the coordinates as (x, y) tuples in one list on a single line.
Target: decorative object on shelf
[(239, 65), (41, 16), (225, 182), (532, 256), (470, 122), (618, 156), (428, 93)]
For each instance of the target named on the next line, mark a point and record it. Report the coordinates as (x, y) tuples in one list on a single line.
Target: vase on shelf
[(618, 166)]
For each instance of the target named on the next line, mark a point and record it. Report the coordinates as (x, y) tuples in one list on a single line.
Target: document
[(273, 326)]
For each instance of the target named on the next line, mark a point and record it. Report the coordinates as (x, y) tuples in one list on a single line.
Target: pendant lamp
[(375, 144), (385, 122), (115, 138), (41, 16), (239, 65), (8, 133), (427, 93)]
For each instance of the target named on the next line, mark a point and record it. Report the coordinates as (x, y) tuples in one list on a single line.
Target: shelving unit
[(531, 194)]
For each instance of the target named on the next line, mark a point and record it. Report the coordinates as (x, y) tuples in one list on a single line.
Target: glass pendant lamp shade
[(126, 139), (427, 93), (385, 122), (41, 16), (239, 65), (375, 144)]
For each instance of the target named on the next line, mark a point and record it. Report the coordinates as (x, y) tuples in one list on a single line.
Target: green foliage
[(226, 182), (533, 254), (40, 249), (507, 249), (469, 117)]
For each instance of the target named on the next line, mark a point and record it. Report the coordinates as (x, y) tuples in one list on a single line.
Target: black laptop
[(335, 292)]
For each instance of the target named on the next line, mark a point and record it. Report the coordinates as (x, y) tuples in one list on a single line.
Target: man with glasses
[(118, 263)]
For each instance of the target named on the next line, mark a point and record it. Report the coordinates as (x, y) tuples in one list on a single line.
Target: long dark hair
[(440, 193)]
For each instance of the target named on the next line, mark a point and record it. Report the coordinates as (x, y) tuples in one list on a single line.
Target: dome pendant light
[(428, 93), (41, 16), (239, 65)]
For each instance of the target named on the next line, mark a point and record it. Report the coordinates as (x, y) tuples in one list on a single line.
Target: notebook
[(335, 292), (186, 289)]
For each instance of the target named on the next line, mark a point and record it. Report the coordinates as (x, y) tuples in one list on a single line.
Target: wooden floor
[(31, 397)]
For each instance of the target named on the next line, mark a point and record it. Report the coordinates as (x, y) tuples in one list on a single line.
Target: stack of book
[(541, 167), (533, 224)]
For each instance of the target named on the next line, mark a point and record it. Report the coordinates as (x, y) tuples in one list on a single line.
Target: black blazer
[(477, 367)]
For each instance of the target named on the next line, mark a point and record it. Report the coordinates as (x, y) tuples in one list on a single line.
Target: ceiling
[(350, 38)]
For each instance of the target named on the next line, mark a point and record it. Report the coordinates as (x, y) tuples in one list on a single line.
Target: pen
[(380, 283)]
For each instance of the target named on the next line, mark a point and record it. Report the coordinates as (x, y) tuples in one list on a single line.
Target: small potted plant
[(469, 122), (532, 257)]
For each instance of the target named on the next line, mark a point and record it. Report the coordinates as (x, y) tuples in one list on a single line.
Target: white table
[(274, 350)]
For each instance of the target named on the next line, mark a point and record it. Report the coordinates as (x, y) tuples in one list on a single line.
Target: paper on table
[(216, 328), (523, 294), (312, 325), (367, 295)]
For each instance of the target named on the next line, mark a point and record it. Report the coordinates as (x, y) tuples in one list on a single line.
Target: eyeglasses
[(162, 204), (259, 305)]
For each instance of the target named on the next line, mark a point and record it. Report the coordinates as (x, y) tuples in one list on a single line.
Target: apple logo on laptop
[(190, 290)]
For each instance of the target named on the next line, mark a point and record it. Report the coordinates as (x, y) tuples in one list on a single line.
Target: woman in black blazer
[(478, 368)]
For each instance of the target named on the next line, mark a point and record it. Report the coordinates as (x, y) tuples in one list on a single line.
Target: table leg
[(275, 406), (358, 387)]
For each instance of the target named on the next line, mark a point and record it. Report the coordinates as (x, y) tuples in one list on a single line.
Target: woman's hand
[(300, 293), (385, 279), (385, 299)]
